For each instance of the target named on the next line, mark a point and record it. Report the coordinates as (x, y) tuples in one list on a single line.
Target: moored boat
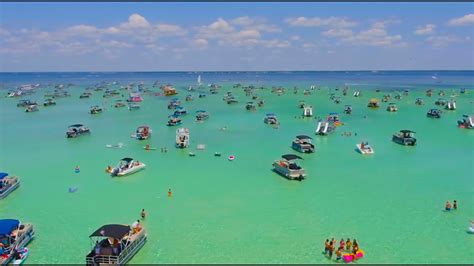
[(8, 184), (405, 137), (288, 168), (126, 166)]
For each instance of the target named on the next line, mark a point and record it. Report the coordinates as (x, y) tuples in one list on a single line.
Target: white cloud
[(136, 21), (464, 20), (441, 41), (243, 21), (295, 38), (427, 29), (376, 35), (335, 22), (201, 43), (337, 33)]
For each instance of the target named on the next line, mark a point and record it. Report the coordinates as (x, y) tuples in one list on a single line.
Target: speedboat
[(180, 111), (303, 144), (174, 103), (364, 148), (95, 110), (13, 235), (142, 133), (288, 168), (189, 98), (127, 166), (451, 105), (231, 100), (398, 96), (271, 119), (174, 120), (373, 103), (441, 102), (260, 103), (169, 91), (419, 101), (307, 111), (348, 109), (119, 104), (182, 138), (32, 108), (466, 122), (25, 103), (386, 98), (434, 113), (405, 137), (429, 92), (250, 106), (392, 107), (135, 98), (8, 184), (201, 115), (324, 128), (441, 93), (85, 95), (49, 102), (77, 130), (115, 244)]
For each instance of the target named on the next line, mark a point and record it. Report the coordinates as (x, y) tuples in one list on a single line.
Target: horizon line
[(219, 71)]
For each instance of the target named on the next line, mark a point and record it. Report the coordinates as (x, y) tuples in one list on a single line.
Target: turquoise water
[(240, 211)]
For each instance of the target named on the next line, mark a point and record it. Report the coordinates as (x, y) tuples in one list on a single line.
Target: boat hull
[(368, 150)]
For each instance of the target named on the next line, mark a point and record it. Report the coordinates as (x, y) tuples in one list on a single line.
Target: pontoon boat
[(324, 128), (133, 106), (142, 133), (250, 106), (13, 235), (303, 144), (466, 122), (392, 107), (115, 244), (85, 95), (441, 102), (308, 111), (451, 105), (405, 137), (77, 130), (180, 111), (25, 103), (127, 166), (174, 120), (182, 138), (7, 184), (189, 98), (288, 168), (434, 113), (373, 103), (271, 119), (202, 115), (95, 110), (49, 102), (419, 101)]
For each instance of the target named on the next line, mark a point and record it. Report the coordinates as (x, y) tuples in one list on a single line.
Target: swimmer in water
[(147, 147), (448, 206), (170, 194), (143, 214)]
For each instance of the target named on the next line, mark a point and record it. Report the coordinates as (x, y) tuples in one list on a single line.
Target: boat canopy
[(76, 125), (290, 157), (270, 114), (7, 226), (303, 137), (127, 159), (407, 131), (391, 104), (374, 100), (147, 127), (3, 175), (200, 111), (117, 231)]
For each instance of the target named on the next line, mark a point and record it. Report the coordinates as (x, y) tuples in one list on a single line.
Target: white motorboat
[(365, 148), (307, 111), (182, 138), (127, 166)]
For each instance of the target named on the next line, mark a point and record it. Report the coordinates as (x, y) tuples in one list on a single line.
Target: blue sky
[(235, 36)]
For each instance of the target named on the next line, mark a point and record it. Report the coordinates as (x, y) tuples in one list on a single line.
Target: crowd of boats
[(118, 243)]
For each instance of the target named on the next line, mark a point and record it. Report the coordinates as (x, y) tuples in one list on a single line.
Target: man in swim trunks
[(326, 247), (339, 253), (348, 244), (331, 248)]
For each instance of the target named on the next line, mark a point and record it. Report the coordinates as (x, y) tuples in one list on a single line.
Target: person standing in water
[(455, 205), (331, 248), (326, 247), (170, 194), (341, 243), (143, 214), (348, 244), (339, 253), (448, 206)]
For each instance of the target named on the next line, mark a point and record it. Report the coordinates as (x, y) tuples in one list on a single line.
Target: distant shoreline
[(237, 71)]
